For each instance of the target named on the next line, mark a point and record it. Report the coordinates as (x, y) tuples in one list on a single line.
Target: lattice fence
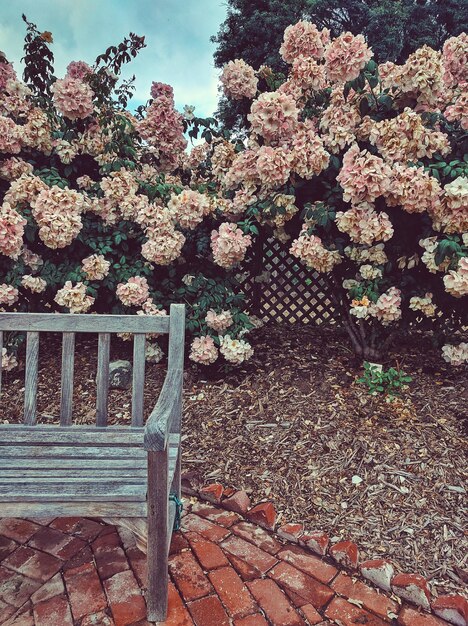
[(282, 291)]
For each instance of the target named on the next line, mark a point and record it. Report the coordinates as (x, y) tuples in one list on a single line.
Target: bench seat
[(71, 469)]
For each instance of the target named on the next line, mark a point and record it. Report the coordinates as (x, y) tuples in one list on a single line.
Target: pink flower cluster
[(14, 167), (79, 70), (451, 214), (304, 40), (203, 350), (219, 321), (134, 292), (346, 56), (95, 267), (9, 361), (163, 129), (162, 89), (34, 283), (239, 80), (455, 355), (273, 165), (189, 208), (458, 111), (8, 295), (423, 304), (57, 212), (74, 298), (364, 177), (73, 98), (7, 73), (309, 156), (235, 351), (307, 74), (11, 231), (413, 189), (11, 135), (310, 249), (243, 171), (164, 243), (456, 281), (274, 117), (364, 224), (229, 245), (387, 308), (340, 120), (455, 60)]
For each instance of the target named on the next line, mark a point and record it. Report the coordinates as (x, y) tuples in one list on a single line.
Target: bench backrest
[(105, 325)]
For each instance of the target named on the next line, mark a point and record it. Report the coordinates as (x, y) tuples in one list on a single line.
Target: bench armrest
[(168, 407)]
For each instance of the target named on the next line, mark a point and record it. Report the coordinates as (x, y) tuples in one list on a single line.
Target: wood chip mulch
[(295, 426)]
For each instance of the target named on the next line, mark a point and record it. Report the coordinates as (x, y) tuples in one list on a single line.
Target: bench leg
[(157, 536)]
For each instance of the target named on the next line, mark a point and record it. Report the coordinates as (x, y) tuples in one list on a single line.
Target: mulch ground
[(296, 427)]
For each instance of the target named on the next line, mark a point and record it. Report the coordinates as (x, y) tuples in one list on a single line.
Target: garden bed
[(294, 426)]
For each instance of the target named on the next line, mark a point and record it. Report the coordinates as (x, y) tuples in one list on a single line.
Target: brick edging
[(381, 573)]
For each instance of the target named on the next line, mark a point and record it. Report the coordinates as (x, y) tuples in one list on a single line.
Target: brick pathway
[(224, 572)]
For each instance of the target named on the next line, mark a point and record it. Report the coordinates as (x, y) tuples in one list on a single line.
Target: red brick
[(274, 603), (177, 614), (370, 599), (56, 543), (85, 591), (53, 612), (6, 612), (125, 599), (79, 526), (32, 563), (290, 532), (178, 543), (16, 589), (346, 553), (215, 515), (189, 577), (212, 493), (202, 526), (24, 619), (308, 563), (53, 587), (264, 515), (453, 608), (83, 556), (208, 553), (412, 617), (98, 619), (252, 620), (315, 540), (7, 546), (239, 502), (106, 541), (348, 614), (379, 571), (257, 535), (245, 571), (139, 565), (305, 586), (249, 553), (208, 612), (297, 600), (233, 593), (312, 616), (21, 530), (412, 588)]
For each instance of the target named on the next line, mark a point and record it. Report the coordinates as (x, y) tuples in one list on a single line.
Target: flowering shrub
[(363, 168)]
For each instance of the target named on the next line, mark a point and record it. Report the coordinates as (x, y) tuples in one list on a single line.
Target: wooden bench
[(99, 471)]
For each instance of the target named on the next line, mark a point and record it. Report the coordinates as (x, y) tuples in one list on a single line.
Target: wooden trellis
[(280, 288)]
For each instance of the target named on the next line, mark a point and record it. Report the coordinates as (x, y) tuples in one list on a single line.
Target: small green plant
[(389, 382)]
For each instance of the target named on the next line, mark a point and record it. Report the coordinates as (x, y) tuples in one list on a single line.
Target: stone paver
[(224, 571)]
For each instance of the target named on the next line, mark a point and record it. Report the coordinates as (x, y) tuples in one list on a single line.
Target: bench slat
[(67, 452), (30, 383), (84, 323), (68, 363), (138, 386), (35, 473), (102, 379), (72, 436), (73, 509)]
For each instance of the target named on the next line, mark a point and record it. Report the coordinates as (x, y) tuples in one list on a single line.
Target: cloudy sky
[(177, 34)]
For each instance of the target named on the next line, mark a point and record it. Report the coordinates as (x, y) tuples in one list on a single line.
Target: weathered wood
[(34, 473), (91, 491), (157, 535), (66, 393), (92, 323), (158, 426), (75, 436), (1, 360), (30, 382), (77, 452), (138, 384), (102, 379), (73, 509)]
